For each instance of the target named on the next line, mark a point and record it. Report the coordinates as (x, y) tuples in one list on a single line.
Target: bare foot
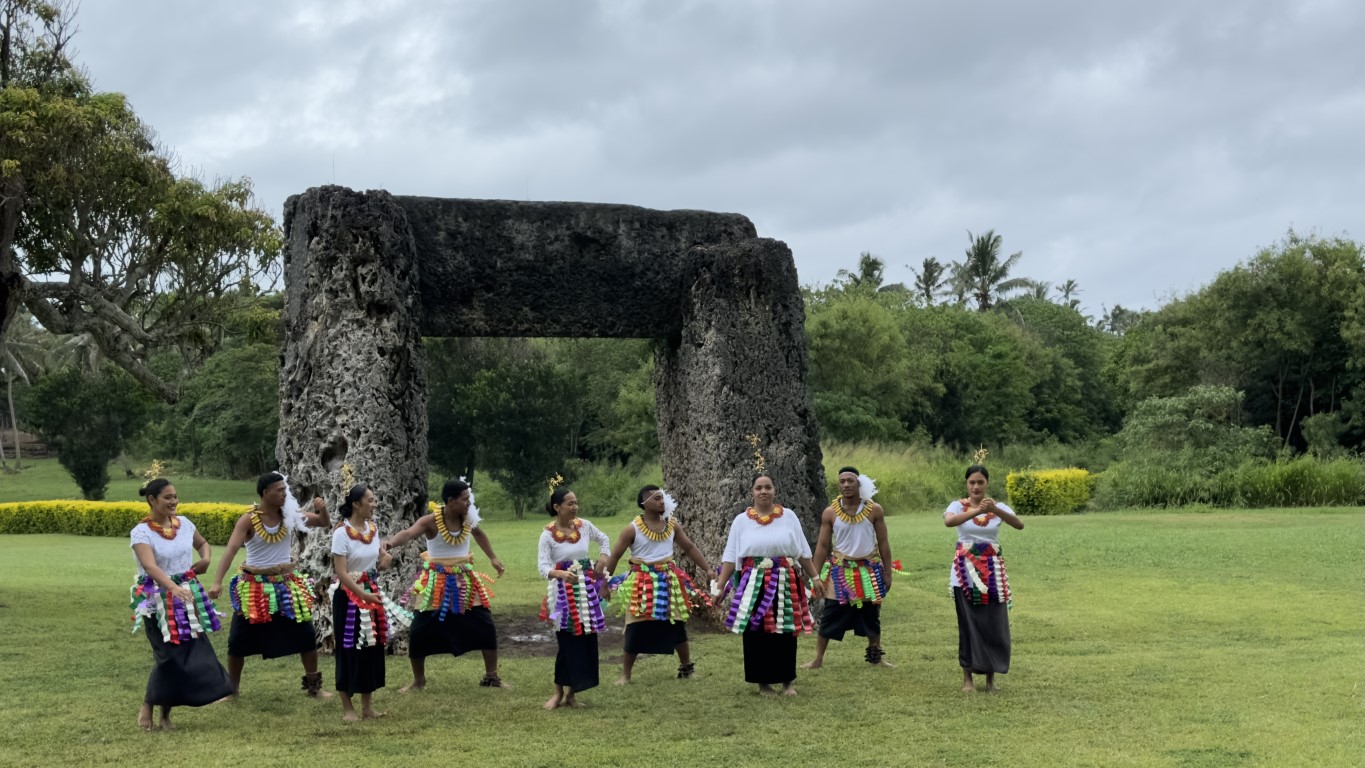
[(413, 686), (573, 702), (992, 688), (623, 680), (350, 717), (816, 664), (766, 690), (553, 703), (499, 683), (144, 718), (372, 715), (225, 699), (885, 663), (968, 688), (167, 725), (789, 690)]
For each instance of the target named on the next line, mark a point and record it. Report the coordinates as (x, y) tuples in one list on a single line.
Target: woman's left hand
[(201, 566), (385, 561), (497, 566)]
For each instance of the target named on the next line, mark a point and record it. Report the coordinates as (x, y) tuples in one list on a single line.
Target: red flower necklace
[(980, 520), (364, 538), (562, 537), (161, 530), (764, 519)]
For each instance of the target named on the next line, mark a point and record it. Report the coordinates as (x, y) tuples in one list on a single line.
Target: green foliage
[(524, 412), (88, 420), (1049, 492), (867, 381), (614, 397), (116, 518), (1285, 327), (232, 411), (107, 240)]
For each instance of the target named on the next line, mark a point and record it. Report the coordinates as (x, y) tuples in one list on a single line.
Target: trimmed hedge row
[(111, 518), (1049, 492)]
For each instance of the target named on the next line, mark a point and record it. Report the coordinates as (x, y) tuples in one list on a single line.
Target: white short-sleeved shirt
[(970, 533), (782, 537), (551, 551), (359, 556), (173, 556)]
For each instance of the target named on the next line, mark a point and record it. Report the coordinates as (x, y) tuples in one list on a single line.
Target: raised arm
[(1006, 514), (963, 514), (318, 517), (241, 531), (424, 526)]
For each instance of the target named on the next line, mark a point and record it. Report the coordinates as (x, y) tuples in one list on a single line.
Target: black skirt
[(655, 636), (358, 670), (281, 636), (184, 674), (769, 657), (576, 662), (838, 618), (458, 634), (983, 635)]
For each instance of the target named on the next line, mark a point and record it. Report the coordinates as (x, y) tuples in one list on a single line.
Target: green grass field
[(1148, 639), (44, 479)]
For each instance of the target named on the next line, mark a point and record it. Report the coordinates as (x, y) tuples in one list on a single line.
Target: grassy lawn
[(1145, 639), (44, 479)]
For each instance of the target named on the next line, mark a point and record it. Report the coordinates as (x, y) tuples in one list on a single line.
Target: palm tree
[(1038, 289), (868, 276), (21, 356), (930, 279), (1067, 292), (984, 275)]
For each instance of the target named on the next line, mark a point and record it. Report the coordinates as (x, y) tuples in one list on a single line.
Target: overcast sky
[(1136, 147)]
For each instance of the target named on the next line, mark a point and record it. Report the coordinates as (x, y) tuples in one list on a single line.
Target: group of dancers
[(766, 581)]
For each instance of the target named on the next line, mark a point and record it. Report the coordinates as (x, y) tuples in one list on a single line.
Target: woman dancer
[(169, 602)]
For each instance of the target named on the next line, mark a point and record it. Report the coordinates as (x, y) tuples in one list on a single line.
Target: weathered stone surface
[(353, 377), (367, 274), (505, 268), (738, 368)]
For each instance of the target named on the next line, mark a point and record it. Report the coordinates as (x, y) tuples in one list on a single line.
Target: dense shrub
[(110, 518), (1049, 491)]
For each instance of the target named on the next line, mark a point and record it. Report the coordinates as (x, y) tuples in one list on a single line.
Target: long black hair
[(557, 498), (153, 489), (356, 493)]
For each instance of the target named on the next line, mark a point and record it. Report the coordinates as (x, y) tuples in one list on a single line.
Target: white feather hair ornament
[(472, 516), (867, 487), (670, 504)]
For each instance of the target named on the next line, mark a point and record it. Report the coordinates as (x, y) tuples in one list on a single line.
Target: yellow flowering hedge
[(1049, 491), (111, 518)]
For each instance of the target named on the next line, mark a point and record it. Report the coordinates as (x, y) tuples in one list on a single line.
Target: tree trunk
[(13, 420)]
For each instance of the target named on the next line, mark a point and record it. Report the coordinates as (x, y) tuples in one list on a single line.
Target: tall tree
[(868, 276), (930, 280), (22, 358), (98, 234), (985, 277), (1067, 292)]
